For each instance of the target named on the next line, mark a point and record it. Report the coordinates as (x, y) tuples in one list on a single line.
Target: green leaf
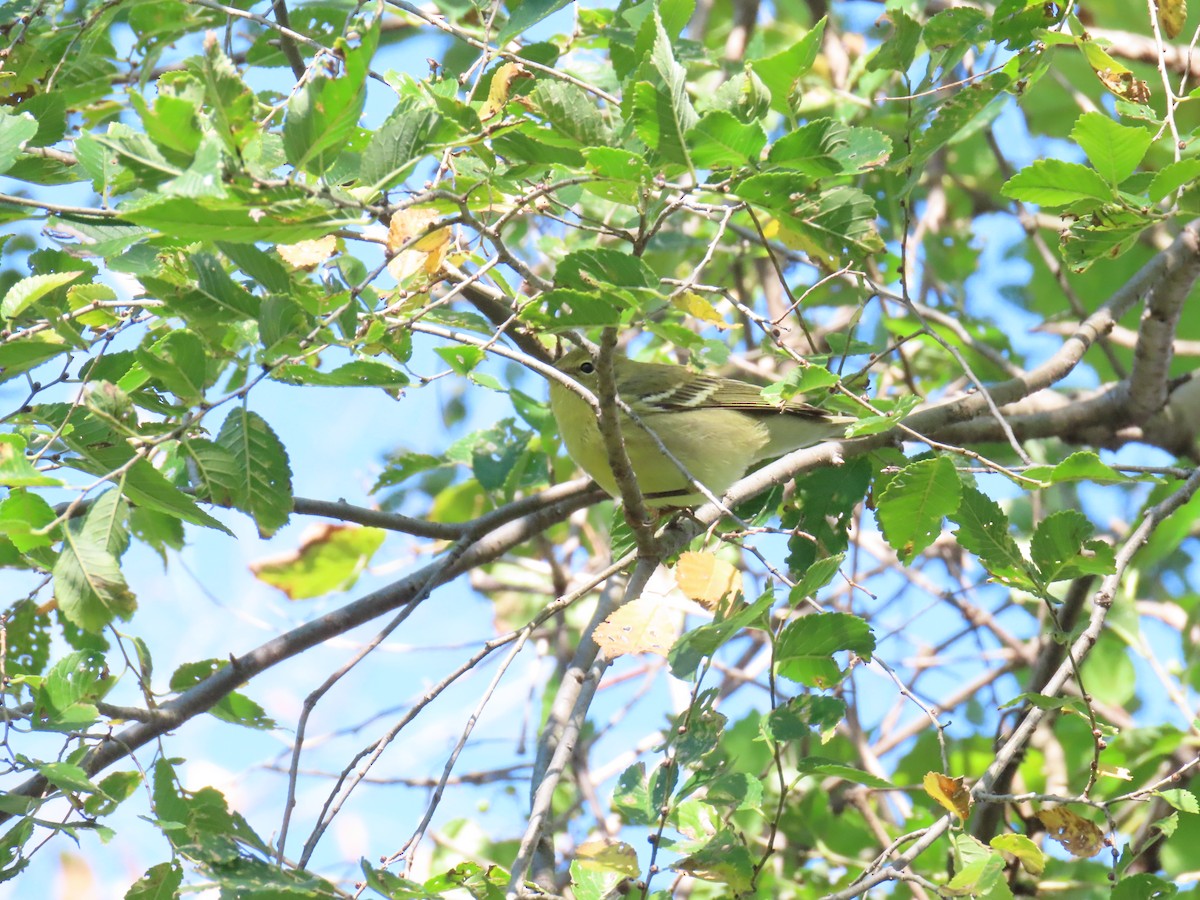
[(276, 215), (526, 14), (161, 882), (399, 143), (28, 351), (1184, 801), (67, 778), (983, 529), (29, 290), (800, 716), (572, 114), (1083, 465), (1052, 182), (586, 270), (88, 583), (324, 112), (719, 140), (264, 487), (816, 765), (65, 699), (359, 373), (696, 643), (22, 514), (329, 560), (724, 859), (805, 649), (179, 363), (16, 470), (897, 50), (1030, 855), (662, 110), (235, 708), (963, 114), (565, 309), (1113, 149), (783, 71), (1061, 550), (913, 505), (15, 130), (1173, 176), (816, 576), (631, 797)]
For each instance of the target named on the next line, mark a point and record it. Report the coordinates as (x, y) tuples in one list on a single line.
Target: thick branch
[(1156, 335)]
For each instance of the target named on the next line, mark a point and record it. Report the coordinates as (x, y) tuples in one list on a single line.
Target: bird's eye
[(587, 368)]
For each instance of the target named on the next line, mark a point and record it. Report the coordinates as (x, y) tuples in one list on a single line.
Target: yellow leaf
[(307, 255), (644, 625), (1032, 859), (706, 579), (499, 91), (949, 793), (699, 308), (1172, 16), (604, 856), (1081, 837), (417, 248)]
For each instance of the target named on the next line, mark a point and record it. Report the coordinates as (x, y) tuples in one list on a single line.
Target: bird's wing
[(712, 392)]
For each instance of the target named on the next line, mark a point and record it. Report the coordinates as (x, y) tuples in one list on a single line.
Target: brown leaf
[(707, 579), (949, 793), (643, 625), (1081, 837)]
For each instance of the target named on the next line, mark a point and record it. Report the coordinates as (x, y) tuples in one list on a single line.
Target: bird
[(716, 427)]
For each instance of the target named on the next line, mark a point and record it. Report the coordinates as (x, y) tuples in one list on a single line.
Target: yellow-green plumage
[(716, 427)]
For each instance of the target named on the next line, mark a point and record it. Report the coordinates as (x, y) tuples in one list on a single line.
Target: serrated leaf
[(1173, 176), (1053, 182), (88, 583), (897, 49), (913, 505), (719, 140), (781, 72), (662, 110), (1060, 548), (643, 625), (29, 290), (1113, 149), (399, 143), (983, 530), (816, 765), (264, 487), (1184, 801), (179, 363), (966, 112), (804, 651)]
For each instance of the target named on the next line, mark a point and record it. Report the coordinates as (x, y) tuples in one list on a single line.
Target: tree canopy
[(952, 654)]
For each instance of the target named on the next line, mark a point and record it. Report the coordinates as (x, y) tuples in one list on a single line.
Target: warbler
[(716, 427)]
